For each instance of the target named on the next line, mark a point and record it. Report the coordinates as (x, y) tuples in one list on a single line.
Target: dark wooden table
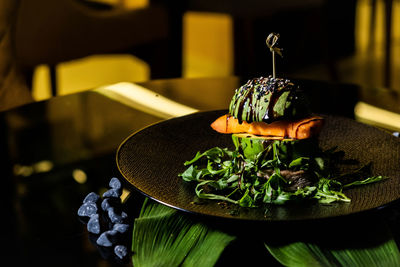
[(54, 152)]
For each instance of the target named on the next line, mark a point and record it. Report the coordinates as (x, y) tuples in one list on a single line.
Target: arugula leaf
[(246, 200), (215, 154), (191, 174), (300, 163), (201, 194), (320, 163), (250, 181), (368, 180)]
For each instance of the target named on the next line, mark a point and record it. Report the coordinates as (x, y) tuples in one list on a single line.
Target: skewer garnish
[(271, 41)]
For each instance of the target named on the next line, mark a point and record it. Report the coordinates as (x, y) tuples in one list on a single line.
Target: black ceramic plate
[(152, 158)]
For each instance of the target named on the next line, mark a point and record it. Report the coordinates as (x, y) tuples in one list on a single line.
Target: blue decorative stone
[(113, 193), (93, 225), (105, 239), (121, 251), (107, 222), (110, 202), (115, 183), (91, 197), (87, 209), (116, 218), (105, 204), (121, 227)]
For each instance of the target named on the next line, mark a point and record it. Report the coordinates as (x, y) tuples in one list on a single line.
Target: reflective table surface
[(56, 151)]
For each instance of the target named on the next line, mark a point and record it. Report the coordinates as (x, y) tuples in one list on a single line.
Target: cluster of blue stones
[(106, 222)]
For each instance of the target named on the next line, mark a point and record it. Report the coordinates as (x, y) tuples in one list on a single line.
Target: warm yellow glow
[(79, 176), (366, 67), (369, 114), (134, 3), (207, 45), (41, 88), (144, 99), (22, 170), (396, 20), (395, 70), (107, 2), (368, 42), (362, 25), (28, 170), (125, 194), (123, 3), (43, 166), (95, 71), (380, 21)]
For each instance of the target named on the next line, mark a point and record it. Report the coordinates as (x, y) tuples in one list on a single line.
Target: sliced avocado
[(282, 104), (267, 99), (248, 145), (251, 145), (288, 149)]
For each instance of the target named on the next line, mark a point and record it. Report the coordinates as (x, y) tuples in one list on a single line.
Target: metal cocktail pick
[(271, 41)]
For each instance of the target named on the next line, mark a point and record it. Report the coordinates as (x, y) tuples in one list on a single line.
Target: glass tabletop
[(57, 151)]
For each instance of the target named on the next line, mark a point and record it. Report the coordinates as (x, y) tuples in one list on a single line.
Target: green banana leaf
[(306, 254), (364, 243), (163, 236)]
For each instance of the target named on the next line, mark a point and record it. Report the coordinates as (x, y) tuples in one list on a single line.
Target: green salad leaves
[(272, 171)]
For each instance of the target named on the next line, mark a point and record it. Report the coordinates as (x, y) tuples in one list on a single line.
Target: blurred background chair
[(13, 88), (50, 32)]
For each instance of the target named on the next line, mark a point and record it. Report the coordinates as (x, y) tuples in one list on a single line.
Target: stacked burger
[(272, 108), (277, 157)]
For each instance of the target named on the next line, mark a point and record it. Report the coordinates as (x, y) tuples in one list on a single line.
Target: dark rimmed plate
[(152, 158)]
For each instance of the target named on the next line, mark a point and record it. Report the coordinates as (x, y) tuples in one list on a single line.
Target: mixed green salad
[(272, 171)]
